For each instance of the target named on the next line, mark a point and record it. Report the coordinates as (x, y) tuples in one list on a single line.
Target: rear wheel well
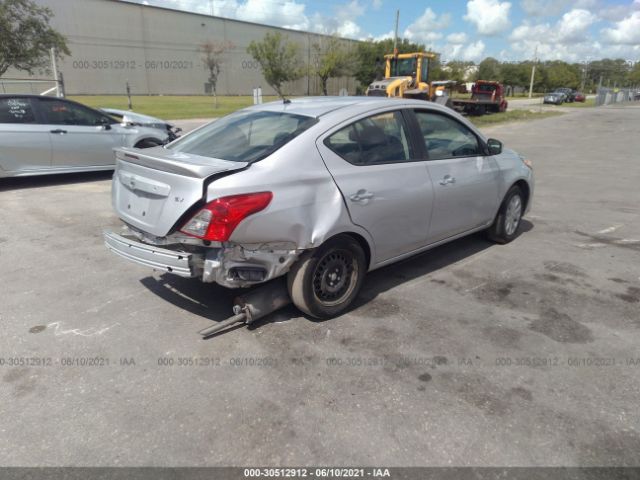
[(361, 241)]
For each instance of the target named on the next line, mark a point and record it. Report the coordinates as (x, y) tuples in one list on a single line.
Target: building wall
[(157, 51)]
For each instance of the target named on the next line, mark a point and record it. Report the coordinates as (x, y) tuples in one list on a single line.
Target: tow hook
[(253, 305)]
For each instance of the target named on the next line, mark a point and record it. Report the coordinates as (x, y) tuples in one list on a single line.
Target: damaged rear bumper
[(230, 265), (178, 263)]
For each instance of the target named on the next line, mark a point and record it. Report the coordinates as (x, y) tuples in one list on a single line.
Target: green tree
[(634, 75), (278, 58), (332, 60), (212, 58), (26, 36), (370, 54), (488, 69), (611, 71), (515, 74), (561, 74), (456, 70)]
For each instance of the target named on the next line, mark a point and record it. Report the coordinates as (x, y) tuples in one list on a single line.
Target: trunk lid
[(153, 188)]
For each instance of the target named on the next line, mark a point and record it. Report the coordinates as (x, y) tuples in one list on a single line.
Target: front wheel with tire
[(507, 221), (324, 282)]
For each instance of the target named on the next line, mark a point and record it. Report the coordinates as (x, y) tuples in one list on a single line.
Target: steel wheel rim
[(513, 215), (335, 277)]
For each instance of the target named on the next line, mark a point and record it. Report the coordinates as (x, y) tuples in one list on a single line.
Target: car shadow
[(214, 302), (51, 180)]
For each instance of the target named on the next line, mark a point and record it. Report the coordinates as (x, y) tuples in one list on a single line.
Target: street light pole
[(395, 36), (533, 71)]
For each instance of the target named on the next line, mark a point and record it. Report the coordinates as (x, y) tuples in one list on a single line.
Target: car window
[(59, 112), (378, 139), (244, 136), (445, 137), (16, 110)]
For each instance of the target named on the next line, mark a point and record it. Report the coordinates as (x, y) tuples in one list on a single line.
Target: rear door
[(465, 179), (24, 143), (386, 190), (79, 135)]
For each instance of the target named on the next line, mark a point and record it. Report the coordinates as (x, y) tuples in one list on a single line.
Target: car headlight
[(526, 161)]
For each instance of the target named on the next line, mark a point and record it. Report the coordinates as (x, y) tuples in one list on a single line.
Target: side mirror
[(495, 146), (105, 123)]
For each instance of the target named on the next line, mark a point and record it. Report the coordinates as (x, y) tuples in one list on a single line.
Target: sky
[(570, 30)]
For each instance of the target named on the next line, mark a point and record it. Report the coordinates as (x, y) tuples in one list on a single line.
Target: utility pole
[(533, 71), (585, 70), (54, 67), (395, 36)]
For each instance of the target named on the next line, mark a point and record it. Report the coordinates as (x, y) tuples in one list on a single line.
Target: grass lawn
[(591, 102), (171, 107), (510, 116)]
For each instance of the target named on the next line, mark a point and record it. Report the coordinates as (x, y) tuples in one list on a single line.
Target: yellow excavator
[(405, 76)]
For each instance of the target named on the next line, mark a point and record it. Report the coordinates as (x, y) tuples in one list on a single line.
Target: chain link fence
[(32, 86), (609, 96)]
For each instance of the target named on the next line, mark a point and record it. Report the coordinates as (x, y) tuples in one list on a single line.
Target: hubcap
[(335, 277), (513, 215)]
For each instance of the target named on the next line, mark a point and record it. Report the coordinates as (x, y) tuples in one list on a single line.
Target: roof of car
[(319, 106)]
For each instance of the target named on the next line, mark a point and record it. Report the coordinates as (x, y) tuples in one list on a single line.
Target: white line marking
[(613, 228), (590, 246), (89, 332)]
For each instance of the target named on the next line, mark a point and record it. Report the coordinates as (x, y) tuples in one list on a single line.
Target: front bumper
[(179, 263)]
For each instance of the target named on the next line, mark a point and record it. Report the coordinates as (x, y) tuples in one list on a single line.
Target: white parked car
[(42, 135)]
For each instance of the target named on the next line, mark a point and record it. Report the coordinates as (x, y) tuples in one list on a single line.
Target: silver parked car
[(319, 189), (41, 135)]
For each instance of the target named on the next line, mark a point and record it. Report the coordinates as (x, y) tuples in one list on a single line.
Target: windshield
[(244, 136), (403, 67)]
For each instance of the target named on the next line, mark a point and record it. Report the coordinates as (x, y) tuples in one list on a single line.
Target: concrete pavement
[(470, 354)]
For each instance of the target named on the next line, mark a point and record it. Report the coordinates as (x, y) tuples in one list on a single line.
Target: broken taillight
[(217, 220)]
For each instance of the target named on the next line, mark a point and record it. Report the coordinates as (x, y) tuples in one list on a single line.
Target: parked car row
[(564, 95), (41, 134)]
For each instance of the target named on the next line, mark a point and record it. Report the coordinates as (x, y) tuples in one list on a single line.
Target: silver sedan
[(321, 190), (40, 135)]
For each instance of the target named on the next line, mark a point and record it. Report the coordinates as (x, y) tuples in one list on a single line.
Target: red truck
[(486, 96)]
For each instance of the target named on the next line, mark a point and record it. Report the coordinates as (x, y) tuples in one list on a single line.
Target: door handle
[(361, 195), (58, 130), (447, 179)]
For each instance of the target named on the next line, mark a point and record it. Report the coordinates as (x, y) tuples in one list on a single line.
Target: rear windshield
[(244, 136), (483, 87)]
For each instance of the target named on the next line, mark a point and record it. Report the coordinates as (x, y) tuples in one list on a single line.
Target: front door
[(386, 190), (80, 136), (465, 180)]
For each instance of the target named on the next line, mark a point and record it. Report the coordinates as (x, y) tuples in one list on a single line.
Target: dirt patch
[(523, 393), (561, 327), (632, 295), (565, 268), (503, 337), (377, 308)]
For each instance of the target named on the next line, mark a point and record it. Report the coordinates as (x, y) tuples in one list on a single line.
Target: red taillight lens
[(217, 220)]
